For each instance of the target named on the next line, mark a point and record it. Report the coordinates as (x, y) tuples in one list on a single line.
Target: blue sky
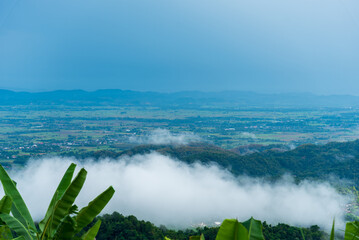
[(175, 45)]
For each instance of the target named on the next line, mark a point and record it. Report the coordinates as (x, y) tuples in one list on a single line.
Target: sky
[(167, 46)]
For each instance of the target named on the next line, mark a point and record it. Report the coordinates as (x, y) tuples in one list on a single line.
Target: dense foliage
[(307, 161), (116, 226)]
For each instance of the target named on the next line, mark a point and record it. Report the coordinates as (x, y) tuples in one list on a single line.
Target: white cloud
[(163, 136), (248, 135), (165, 191)]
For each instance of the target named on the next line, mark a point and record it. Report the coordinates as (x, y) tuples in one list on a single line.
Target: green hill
[(309, 161), (339, 159)]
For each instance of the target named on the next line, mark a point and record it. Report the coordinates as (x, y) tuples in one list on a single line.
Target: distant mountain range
[(228, 99)]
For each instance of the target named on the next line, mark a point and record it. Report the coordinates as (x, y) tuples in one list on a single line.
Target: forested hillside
[(340, 159)]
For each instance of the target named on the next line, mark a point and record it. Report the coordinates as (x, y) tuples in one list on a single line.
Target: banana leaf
[(16, 226), (5, 207), (11, 191), (5, 232), (66, 229), (63, 185), (254, 228), (87, 214), (201, 237), (332, 232), (302, 233), (92, 232), (231, 229), (5, 204), (352, 231), (15, 212), (63, 205)]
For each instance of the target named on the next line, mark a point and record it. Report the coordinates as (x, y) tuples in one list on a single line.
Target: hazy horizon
[(16, 90)]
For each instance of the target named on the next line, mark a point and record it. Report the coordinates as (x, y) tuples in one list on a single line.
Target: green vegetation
[(305, 162), (352, 231), (118, 227), (231, 229), (62, 220), (200, 237)]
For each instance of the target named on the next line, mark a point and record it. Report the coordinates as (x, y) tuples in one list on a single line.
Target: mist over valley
[(176, 194), (177, 120), (201, 166), (199, 182)]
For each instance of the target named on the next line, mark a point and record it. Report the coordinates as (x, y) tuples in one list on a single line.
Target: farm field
[(27, 131)]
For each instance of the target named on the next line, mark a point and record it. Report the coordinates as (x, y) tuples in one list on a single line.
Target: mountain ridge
[(118, 97)]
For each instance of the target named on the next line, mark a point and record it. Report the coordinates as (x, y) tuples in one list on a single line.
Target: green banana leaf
[(5, 232), (16, 226), (66, 229), (231, 229), (201, 237), (11, 191), (352, 231), (5, 207), (332, 232), (63, 205), (16, 213), (63, 185), (302, 233), (92, 232), (87, 214), (5, 204), (254, 228), (19, 238)]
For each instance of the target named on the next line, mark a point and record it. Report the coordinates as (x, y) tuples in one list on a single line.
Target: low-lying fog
[(163, 136), (166, 191)]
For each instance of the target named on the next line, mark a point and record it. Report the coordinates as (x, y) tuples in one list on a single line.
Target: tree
[(62, 220)]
